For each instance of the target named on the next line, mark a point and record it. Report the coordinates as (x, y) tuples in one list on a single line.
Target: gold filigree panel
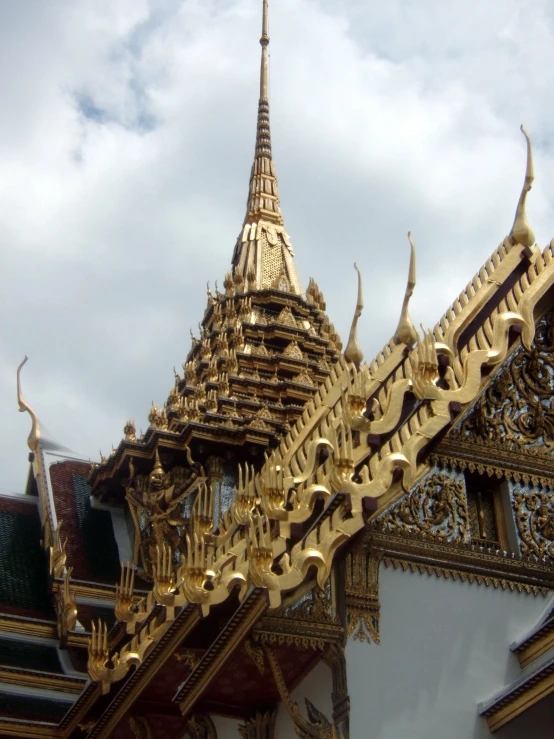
[(535, 522), (437, 507), (517, 407), (362, 593)]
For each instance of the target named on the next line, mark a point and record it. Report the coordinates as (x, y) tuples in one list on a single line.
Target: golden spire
[(34, 436), (406, 332), (521, 231), (263, 256), (263, 198), (353, 353)]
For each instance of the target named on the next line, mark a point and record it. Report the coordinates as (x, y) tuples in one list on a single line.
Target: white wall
[(445, 647)]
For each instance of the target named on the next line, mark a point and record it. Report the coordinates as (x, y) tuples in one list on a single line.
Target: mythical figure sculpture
[(158, 504)]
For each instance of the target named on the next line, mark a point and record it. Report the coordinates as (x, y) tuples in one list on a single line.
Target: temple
[(302, 543)]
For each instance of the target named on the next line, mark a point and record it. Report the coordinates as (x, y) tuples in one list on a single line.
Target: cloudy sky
[(126, 139)]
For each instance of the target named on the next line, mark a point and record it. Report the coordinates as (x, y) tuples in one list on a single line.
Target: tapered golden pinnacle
[(353, 352), (521, 231), (406, 332)]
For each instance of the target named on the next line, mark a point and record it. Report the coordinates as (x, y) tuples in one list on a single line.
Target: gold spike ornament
[(522, 232), (353, 353), (406, 332)]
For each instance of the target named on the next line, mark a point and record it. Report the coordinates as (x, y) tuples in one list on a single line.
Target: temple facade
[(302, 543)]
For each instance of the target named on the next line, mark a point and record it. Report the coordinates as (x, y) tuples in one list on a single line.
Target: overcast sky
[(126, 139)]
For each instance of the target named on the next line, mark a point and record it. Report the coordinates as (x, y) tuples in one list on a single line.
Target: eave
[(536, 644), (521, 695)]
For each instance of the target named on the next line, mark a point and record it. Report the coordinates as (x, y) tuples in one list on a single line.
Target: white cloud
[(125, 145)]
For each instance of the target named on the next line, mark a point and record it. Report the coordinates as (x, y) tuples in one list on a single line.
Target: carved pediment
[(436, 508), (516, 411)]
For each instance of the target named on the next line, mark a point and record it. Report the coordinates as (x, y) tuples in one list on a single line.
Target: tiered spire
[(263, 254), (263, 198), (264, 348)]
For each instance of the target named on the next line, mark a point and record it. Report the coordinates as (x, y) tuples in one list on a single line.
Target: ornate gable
[(509, 430), (436, 508)]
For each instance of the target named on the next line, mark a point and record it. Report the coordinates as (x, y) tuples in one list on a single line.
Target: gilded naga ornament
[(34, 435)]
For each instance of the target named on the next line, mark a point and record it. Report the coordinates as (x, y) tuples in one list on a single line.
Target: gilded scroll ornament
[(57, 552), (260, 726), (188, 657), (66, 608), (437, 508), (315, 605), (317, 725), (256, 654), (335, 658), (535, 522), (200, 726)]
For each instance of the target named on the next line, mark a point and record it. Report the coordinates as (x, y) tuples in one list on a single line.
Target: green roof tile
[(29, 656), (31, 708), (23, 566), (100, 547)]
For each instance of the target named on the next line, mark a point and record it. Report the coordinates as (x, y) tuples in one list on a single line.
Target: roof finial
[(521, 231), (34, 436), (263, 252), (264, 41), (263, 199), (353, 353), (406, 332)]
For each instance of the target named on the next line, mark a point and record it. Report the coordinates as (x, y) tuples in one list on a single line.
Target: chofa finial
[(521, 231), (406, 332), (353, 353), (34, 436)]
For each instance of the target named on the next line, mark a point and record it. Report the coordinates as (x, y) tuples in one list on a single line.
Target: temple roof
[(241, 558), (264, 347)]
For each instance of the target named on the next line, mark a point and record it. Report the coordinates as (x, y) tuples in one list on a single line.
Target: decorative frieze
[(437, 507), (517, 405), (534, 513)]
